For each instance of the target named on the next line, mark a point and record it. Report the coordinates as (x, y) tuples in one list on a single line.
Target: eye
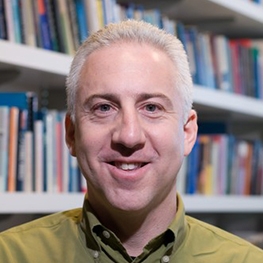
[(104, 107), (151, 107), (152, 110)]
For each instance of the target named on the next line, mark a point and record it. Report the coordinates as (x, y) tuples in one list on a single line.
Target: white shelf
[(217, 101), (36, 67), (38, 202), (230, 17), (223, 204), (34, 203)]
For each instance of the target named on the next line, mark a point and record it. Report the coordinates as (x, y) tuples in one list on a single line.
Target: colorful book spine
[(81, 20), (4, 142), (43, 25), (17, 21), (12, 149)]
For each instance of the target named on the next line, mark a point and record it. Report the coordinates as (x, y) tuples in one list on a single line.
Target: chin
[(129, 203)]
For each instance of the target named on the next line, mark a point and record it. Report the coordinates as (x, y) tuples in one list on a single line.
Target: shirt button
[(95, 254), (165, 259), (106, 234)]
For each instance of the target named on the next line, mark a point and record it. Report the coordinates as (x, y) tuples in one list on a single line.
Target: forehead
[(127, 59)]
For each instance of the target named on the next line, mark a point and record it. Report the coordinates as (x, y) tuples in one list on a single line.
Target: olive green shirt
[(77, 236)]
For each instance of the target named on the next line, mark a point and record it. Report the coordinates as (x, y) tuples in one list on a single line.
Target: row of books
[(218, 62), (221, 164), (61, 25), (33, 153)]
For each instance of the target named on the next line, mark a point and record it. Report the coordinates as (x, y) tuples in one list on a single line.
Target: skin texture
[(130, 139)]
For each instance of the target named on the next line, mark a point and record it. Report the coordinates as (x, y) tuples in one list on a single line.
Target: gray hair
[(133, 31)]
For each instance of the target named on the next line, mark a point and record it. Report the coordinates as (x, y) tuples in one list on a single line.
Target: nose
[(128, 130)]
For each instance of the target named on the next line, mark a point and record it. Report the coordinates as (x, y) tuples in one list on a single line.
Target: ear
[(70, 134), (190, 132)]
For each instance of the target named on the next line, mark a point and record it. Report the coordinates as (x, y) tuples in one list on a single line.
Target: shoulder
[(211, 239), (52, 221), (42, 236)]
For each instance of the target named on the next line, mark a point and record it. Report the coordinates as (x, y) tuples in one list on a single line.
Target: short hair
[(137, 32)]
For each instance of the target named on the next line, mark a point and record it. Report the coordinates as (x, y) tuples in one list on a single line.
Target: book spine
[(28, 177), (21, 153), (38, 155), (65, 27), (12, 151), (92, 15), (49, 4), (73, 22), (43, 25), (9, 20), (17, 21), (27, 13), (4, 139), (3, 28), (81, 20)]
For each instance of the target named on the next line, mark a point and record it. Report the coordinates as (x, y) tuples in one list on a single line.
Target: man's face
[(129, 135)]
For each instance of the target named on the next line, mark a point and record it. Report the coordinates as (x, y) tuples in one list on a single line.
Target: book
[(66, 33), (28, 23), (43, 25), (81, 20), (91, 9), (17, 21), (193, 169), (4, 141), (206, 53), (65, 158), (205, 176), (28, 176), (72, 15), (9, 20), (108, 11), (39, 155), (12, 149), (53, 27), (193, 37), (50, 176), (21, 152), (180, 179), (59, 126), (3, 28)]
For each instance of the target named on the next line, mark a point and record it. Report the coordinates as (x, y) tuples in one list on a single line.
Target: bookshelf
[(43, 203), (35, 68)]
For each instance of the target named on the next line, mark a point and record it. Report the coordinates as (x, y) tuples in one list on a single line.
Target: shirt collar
[(176, 232)]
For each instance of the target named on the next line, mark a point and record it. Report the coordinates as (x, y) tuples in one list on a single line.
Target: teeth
[(128, 166)]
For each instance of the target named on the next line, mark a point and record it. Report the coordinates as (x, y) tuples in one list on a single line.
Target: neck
[(136, 228)]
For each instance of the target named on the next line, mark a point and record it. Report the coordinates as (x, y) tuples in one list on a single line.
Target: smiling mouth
[(128, 166)]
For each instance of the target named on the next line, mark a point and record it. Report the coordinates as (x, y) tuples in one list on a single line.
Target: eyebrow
[(106, 96), (116, 98)]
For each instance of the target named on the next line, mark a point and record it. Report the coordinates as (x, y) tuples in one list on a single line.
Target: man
[(129, 124)]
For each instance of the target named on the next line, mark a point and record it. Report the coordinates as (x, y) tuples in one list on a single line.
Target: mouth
[(128, 166)]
